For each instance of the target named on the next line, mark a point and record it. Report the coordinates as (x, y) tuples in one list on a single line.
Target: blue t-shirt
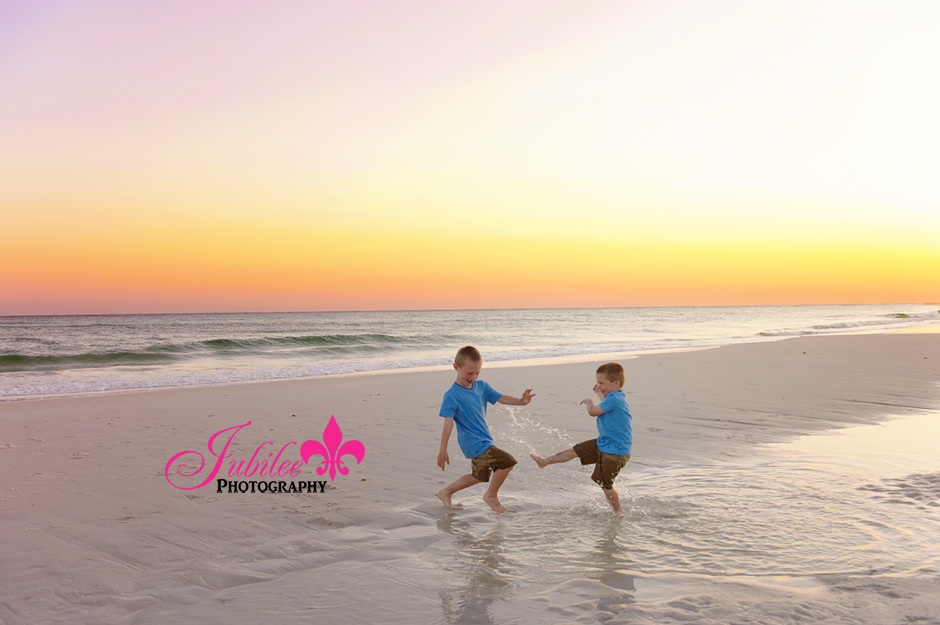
[(615, 426), (467, 407)]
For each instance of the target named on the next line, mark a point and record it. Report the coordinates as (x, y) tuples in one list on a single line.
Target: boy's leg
[(561, 456), (459, 484), (491, 495), (607, 469), (614, 499)]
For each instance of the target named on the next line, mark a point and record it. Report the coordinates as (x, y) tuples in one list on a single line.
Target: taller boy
[(464, 405)]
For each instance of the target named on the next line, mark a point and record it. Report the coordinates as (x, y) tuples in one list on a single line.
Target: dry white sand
[(92, 531)]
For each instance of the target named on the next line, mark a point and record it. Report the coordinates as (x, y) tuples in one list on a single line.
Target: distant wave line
[(169, 353), (11, 363), (318, 339), (889, 320)]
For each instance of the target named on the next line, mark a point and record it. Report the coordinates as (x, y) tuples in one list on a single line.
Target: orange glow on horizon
[(324, 157)]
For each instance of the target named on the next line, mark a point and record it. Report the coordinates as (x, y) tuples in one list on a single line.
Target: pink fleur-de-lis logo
[(334, 451)]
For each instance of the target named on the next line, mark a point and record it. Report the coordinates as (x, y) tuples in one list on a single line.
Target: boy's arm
[(594, 411), (517, 401), (442, 457)]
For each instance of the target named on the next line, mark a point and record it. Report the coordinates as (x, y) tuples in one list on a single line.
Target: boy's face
[(469, 372), (606, 386)]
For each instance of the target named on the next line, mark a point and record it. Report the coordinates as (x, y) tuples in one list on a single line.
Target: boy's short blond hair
[(468, 354), (613, 372)]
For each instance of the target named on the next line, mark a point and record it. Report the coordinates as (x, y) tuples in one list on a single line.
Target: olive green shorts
[(606, 466), (493, 459)]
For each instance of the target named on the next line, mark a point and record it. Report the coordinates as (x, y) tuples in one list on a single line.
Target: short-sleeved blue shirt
[(467, 407), (615, 426)]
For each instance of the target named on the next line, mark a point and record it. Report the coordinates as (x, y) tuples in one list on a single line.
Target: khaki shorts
[(493, 459), (606, 466)]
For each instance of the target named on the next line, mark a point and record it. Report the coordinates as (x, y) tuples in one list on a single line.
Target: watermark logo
[(334, 450), (266, 468)]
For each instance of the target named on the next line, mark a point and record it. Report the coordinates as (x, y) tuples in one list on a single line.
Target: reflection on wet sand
[(482, 564)]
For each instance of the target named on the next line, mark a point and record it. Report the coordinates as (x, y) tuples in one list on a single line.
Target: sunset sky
[(318, 155)]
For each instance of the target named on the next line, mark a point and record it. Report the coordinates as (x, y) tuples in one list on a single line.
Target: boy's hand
[(442, 459), (527, 397), (599, 392), (589, 402)]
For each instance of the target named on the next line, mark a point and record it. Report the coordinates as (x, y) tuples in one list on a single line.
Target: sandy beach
[(92, 531)]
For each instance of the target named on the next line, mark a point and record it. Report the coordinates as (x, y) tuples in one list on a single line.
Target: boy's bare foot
[(539, 460), (445, 499), (493, 503)]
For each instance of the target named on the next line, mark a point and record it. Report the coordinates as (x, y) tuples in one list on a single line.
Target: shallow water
[(842, 527)]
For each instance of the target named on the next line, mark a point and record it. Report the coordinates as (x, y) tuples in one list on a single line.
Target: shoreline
[(532, 362)]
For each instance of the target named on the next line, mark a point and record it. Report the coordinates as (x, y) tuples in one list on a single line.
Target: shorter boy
[(464, 405), (610, 451)]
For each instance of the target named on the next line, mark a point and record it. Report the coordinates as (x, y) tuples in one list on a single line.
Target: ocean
[(44, 356)]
